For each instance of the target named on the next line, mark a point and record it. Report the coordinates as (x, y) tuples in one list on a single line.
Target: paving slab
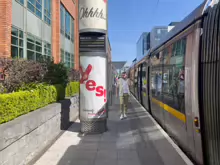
[(137, 140)]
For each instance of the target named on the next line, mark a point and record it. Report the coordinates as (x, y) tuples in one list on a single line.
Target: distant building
[(36, 30), (157, 33), (142, 45), (172, 25)]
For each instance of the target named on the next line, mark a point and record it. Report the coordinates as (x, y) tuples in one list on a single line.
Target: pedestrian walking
[(123, 91)]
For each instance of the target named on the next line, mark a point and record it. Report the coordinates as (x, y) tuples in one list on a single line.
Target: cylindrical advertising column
[(93, 65)]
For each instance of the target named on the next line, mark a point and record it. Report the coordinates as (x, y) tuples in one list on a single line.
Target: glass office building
[(143, 45), (157, 34)]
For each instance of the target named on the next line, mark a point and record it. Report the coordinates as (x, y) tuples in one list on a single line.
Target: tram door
[(145, 86)]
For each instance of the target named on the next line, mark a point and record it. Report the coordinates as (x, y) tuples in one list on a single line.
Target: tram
[(178, 83)]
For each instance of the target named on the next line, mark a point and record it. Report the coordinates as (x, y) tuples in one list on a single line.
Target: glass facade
[(20, 1), (17, 43), (66, 24), (35, 6), (67, 30), (67, 58), (47, 11), (143, 45), (157, 34), (34, 47)]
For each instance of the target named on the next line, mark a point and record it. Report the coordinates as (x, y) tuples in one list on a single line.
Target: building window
[(34, 48), (72, 29), (17, 43), (47, 50), (72, 61), (62, 56), (66, 24), (35, 6), (158, 31), (20, 1), (47, 11), (62, 21), (67, 60)]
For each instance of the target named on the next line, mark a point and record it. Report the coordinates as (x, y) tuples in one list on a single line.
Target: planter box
[(23, 138)]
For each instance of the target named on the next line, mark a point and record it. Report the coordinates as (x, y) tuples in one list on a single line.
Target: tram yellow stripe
[(171, 110)]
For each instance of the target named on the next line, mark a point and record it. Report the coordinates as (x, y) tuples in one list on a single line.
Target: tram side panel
[(170, 81), (192, 95), (167, 94), (170, 100)]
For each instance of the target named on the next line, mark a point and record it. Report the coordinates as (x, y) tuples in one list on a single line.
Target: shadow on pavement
[(126, 142), (133, 141), (66, 120)]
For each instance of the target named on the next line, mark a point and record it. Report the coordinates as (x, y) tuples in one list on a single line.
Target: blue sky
[(129, 18)]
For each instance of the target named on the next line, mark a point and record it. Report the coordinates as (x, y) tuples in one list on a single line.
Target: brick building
[(33, 29)]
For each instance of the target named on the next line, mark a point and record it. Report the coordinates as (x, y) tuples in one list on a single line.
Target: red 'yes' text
[(100, 91)]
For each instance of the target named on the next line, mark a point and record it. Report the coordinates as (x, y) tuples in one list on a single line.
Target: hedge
[(32, 97), (72, 89), (19, 103)]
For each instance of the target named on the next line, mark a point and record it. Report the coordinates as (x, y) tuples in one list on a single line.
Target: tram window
[(156, 83), (144, 81), (135, 76), (173, 77), (165, 55)]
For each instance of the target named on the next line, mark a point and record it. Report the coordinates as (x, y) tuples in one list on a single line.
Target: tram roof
[(182, 25)]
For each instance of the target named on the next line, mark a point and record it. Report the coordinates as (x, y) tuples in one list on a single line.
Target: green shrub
[(19, 103), (72, 89), (56, 74), (59, 89)]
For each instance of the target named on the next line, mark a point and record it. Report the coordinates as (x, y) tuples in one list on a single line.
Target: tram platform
[(137, 140)]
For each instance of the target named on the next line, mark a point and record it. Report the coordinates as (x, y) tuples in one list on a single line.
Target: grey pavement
[(137, 140)]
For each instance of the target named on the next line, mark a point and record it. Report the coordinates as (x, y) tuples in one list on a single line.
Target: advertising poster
[(92, 14), (93, 94)]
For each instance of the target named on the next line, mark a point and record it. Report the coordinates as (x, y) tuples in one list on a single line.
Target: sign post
[(93, 65)]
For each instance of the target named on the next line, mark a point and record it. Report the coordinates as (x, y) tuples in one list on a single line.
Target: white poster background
[(88, 99), (93, 22)]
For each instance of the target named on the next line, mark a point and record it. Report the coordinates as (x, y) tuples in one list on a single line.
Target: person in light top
[(123, 91)]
